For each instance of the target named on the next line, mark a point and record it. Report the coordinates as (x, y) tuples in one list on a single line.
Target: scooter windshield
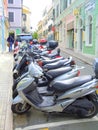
[(34, 71)]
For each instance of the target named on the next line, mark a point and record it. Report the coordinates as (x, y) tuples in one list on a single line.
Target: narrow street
[(35, 120), (71, 25)]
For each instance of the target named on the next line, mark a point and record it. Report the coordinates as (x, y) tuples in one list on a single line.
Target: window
[(57, 10), (63, 5), (10, 1), (89, 29), (53, 14), (69, 2), (24, 17), (11, 17)]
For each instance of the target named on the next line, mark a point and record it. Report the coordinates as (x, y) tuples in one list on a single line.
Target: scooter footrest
[(44, 91)]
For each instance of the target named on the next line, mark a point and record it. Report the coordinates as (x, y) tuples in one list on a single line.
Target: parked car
[(23, 37)]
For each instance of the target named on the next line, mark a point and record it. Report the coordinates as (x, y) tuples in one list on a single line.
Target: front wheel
[(20, 108), (15, 93)]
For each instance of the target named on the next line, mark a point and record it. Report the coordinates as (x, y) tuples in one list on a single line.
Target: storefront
[(70, 31)]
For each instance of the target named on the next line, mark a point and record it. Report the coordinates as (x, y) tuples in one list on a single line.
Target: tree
[(35, 35)]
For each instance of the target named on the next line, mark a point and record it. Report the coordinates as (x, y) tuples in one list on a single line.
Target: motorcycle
[(74, 96), (48, 52), (48, 77), (22, 66)]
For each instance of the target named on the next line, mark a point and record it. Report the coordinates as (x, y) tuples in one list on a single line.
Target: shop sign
[(76, 12), (90, 6)]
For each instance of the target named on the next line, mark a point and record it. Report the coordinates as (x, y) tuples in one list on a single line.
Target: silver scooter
[(46, 80), (74, 96)]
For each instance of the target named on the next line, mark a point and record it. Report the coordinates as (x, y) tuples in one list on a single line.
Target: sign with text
[(90, 6)]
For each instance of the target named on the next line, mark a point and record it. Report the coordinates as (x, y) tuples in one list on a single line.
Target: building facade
[(15, 15), (76, 25), (4, 25), (46, 25), (26, 25), (64, 22), (40, 29), (50, 24)]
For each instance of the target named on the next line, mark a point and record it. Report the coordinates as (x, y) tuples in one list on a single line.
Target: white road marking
[(55, 124)]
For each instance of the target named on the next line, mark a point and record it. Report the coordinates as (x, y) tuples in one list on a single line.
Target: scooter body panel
[(67, 75), (80, 91), (18, 99), (24, 83), (48, 104), (52, 103)]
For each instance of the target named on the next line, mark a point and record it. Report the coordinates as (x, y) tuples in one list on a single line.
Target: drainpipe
[(2, 23), (2, 38)]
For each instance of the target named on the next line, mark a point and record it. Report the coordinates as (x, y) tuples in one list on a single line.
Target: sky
[(36, 7)]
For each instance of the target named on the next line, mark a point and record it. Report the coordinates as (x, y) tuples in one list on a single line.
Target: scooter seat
[(53, 55), (55, 65), (61, 86), (51, 74), (52, 60)]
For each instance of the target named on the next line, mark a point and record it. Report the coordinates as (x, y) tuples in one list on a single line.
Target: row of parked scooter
[(45, 80)]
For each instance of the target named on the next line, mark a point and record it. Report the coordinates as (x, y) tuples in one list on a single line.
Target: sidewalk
[(6, 64), (85, 58)]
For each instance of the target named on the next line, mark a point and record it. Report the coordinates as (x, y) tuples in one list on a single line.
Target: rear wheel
[(91, 112), (86, 107), (20, 108)]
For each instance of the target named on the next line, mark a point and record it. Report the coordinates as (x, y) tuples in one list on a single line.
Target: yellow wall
[(26, 11)]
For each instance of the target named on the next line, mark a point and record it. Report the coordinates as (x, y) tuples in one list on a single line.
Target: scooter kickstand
[(48, 116)]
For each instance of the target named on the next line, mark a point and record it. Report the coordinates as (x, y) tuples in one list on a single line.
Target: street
[(88, 69), (36, 118), (71, 25)]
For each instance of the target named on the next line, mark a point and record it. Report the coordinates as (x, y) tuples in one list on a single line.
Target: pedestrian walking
[(10, 41)]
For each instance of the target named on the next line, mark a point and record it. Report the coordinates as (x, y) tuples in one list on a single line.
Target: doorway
[(70, 34), (80, 34)]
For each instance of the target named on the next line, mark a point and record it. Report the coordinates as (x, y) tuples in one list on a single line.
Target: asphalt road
[(88, 69), (34, 117)]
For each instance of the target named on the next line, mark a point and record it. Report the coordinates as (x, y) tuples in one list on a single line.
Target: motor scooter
[(47, 78), (46, 53), (74, 96), (22, 67)]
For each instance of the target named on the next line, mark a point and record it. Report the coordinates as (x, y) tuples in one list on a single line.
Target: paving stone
[(6, 64)]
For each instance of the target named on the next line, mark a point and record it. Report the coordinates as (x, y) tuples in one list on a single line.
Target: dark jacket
[(10, 39)]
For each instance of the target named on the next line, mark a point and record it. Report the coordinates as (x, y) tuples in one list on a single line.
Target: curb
[(86, 59)]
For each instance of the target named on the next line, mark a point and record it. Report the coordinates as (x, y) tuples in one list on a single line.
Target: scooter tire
[(15, 82), (91, 112), (14, 85), (19, 108), (15, 76), (15, 93)]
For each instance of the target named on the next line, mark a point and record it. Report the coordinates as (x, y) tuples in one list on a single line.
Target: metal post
[(2, 38), (2, 23)]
